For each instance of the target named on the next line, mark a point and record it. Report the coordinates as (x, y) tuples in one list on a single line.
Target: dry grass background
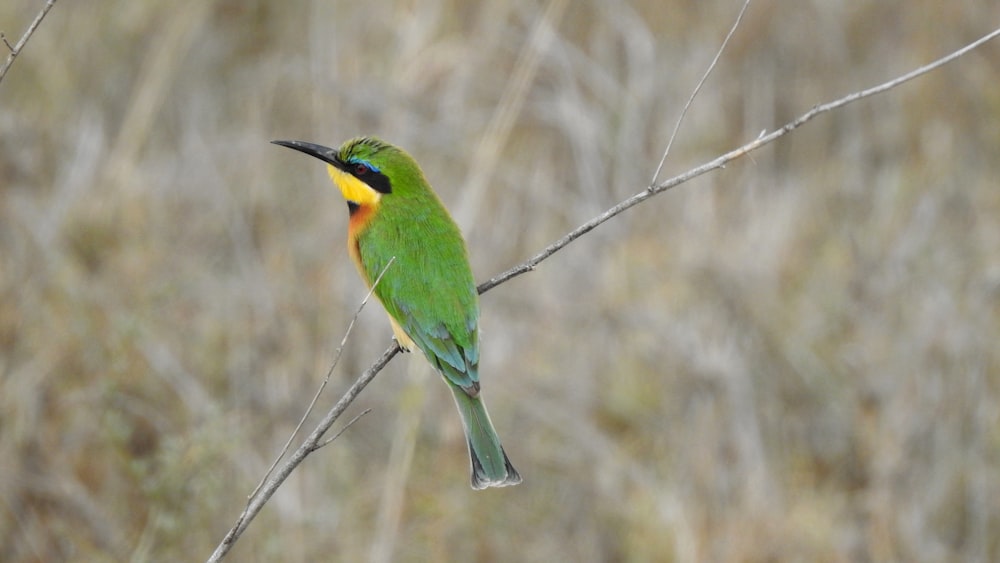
[(793, 359)]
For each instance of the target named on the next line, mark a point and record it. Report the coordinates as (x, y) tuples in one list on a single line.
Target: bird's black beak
[(326, 154)]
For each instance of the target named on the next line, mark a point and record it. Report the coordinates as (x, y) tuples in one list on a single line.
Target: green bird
[(428, 289)]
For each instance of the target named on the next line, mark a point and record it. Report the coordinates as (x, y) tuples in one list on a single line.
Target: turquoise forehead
[(359, 160)]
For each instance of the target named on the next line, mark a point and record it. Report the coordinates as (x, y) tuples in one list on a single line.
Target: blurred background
[(794, 358)]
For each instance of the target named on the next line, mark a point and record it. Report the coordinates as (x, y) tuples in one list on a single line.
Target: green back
[(429, 289)]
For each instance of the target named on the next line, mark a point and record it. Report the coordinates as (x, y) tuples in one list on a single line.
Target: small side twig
[(15, 50), (300, 454), (270, 484), (763, 139), (322, 386), (694, 93), (342, 430)]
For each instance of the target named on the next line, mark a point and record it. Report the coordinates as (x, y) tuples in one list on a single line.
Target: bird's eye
[(360, 169)]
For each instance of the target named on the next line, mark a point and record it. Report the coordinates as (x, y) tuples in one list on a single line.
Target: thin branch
[(311, 443), (342, 430), (326, 380), (16, 49), (266, 487), (697, 89), (721, 161)]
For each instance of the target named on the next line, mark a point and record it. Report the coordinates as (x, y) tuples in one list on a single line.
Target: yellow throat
[(354, 190)]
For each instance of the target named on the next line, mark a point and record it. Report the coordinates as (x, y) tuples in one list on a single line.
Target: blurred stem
[(404, 445), (487, 155)]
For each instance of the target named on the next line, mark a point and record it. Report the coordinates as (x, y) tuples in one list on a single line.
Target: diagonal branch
[(722, 161), (313, 441), (326, 381), (16, 49), (311, 444), (266, 487)]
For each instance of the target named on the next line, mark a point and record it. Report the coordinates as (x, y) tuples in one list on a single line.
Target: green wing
[(428, 289)]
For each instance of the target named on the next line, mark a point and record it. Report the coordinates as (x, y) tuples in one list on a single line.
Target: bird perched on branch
[(401, 231)]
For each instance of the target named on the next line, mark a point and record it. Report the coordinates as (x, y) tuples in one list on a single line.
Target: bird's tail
[(490, 466)]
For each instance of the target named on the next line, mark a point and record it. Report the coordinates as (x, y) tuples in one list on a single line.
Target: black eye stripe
[(365, 172), (377, 180)]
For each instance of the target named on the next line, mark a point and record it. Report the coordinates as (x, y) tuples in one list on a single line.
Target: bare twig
[(721, 161), (266, 487), (342, 430), (694, 94), (326, 380), (16, 49), (312, 442)]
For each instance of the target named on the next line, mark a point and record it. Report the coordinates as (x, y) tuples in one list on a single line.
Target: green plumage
[(428, 289)]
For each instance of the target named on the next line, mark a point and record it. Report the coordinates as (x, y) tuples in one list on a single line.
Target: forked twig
[(269, 484), (16, 49), (310, 445), (694, 93), (322, 386), (721, 161), (342, 430)]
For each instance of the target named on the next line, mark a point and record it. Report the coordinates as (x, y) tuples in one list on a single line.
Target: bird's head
[(365, 168)]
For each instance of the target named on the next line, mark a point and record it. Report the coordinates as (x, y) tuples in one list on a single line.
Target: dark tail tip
[(481, 480)]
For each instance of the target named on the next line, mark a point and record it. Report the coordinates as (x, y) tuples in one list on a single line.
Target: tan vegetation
[(793, 359)]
